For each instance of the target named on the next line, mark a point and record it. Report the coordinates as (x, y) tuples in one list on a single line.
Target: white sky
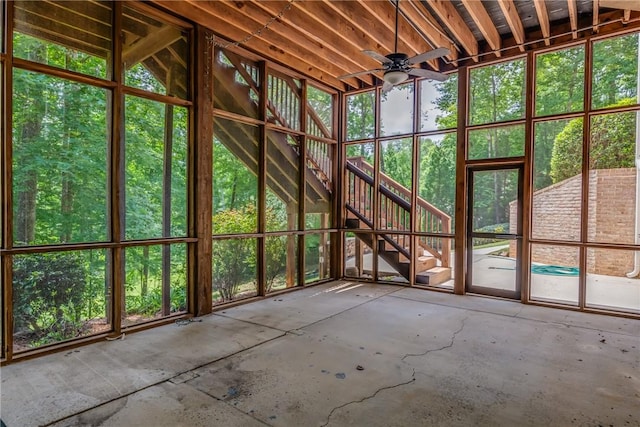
[(397, 109)]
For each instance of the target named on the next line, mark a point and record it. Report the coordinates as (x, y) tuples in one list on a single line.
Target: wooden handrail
[(395, 209)]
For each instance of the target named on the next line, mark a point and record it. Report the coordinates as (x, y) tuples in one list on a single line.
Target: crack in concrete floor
[(413, 374)]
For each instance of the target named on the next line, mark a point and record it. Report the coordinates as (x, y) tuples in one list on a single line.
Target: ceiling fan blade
[(386, 87), (433, 75), (360, 73), (432, 54), (377, 56)]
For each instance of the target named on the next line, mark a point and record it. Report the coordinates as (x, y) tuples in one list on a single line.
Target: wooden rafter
[(627, 15), (573, 17), (330, 36), (513, 19), (199, 13), (596, 17), (250, 18), (147, 46), (485, 24), (354, 13), (543, 19), (417, 13), (295, 35), (447, 12), (621, 4), (385, 12)]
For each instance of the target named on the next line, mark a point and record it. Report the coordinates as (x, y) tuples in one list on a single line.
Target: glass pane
[(555, 274), (495, 201), (396, 110), (60, 142), (615, 71), (494, 264), (74, 35), (557, 180), (396, 158), (319, 113), (613, 178), (235, 177), (560, 81), (359, 183), (281, 262), (283, 181), (236, 83), (155, 169), (608, 285), (317, 257), (234, 270), (497, 92), (155, 282), (361, 115), (435, 211), (434, 262), (491, 143), (358, 255), (439, 104), (394, 256), (59, 296), (283, 106), (319, 184), (154, 54)]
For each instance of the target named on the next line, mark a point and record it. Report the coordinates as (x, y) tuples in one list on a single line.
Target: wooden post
[(292, 210), (203, 164)]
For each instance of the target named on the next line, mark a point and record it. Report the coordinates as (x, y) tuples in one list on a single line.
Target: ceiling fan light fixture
[(395, 77)]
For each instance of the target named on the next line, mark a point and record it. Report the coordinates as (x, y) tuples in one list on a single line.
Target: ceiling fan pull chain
[(212, 38)]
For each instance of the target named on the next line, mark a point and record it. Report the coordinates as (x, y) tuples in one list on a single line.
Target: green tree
[(612, 144)]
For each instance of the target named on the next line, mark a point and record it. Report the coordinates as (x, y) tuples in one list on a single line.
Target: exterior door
[(494, 230)]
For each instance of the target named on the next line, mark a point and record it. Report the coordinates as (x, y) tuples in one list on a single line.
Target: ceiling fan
[(397, 67)]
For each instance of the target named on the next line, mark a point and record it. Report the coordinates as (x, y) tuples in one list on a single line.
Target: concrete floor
[(427, 358)]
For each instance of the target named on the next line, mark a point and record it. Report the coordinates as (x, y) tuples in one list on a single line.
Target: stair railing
[(395, 209)]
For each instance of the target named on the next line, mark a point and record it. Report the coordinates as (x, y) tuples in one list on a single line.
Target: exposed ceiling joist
[(596, 17), (543, 19), (621, 4), (143, 48), (573, 17), (447, 12), (513, 19), (485, 24), (259, 12), (204, 16), (418, 14)]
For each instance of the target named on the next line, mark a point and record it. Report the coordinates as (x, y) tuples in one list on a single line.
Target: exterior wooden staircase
[(236, 91), (432, 256)]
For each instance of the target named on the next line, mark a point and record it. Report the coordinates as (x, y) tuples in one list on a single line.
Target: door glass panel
[(494, 263), (495, 196), (493, 257)]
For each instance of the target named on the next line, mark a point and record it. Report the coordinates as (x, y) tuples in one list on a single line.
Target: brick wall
[(556, 216)]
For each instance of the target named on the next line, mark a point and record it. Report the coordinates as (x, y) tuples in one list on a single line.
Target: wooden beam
[(573, 17), (447, 12), (621, 4), (385, 12), (154, 41), (355, 14), (485, 24), (513, 19), (251, 18), (627, 15), (190, 10), (322, 33), (418, 14), (596, 17), (543, 19)]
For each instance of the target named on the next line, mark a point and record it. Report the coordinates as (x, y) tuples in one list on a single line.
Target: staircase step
[(434, 276), (425, 262)]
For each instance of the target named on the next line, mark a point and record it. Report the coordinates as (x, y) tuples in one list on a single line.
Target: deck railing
[(395, 209)]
